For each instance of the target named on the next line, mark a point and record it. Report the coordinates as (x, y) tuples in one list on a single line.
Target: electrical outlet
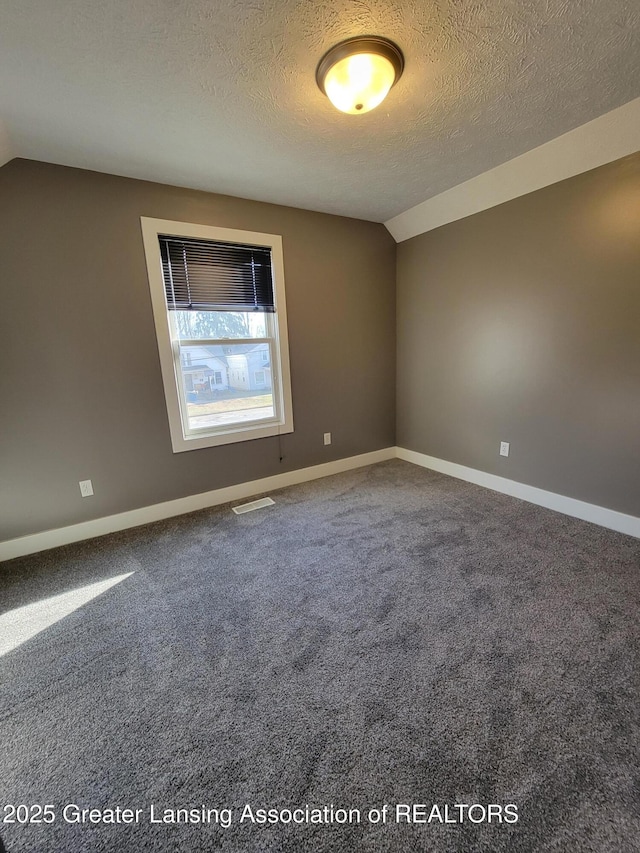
[(327, 438), (504, 448), (86, 488)]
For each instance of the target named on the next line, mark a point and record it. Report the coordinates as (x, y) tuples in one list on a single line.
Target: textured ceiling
[(222, 95)]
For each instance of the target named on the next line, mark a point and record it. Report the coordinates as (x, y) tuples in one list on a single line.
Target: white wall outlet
[(327, 438), (86, 488), (504, 448)]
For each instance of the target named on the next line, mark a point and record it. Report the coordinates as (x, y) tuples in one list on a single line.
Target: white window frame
[(169, 351)]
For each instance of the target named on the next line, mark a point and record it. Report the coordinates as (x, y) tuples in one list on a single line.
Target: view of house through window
[(226, 375)]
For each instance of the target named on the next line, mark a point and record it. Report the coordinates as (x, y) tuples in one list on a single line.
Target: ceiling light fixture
[(356, 74)]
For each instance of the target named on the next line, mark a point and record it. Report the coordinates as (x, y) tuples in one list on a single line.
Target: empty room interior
[(320, 426)]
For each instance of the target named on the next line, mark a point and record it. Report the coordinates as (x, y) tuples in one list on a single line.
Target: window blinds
[(204, 275)]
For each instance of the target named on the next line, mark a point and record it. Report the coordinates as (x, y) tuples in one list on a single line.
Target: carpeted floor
[(386, 636)]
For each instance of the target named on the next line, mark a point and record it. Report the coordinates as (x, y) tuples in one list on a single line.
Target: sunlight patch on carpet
[(19, 625)]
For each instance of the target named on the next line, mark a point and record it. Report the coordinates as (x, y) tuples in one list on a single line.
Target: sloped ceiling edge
[(613, 135)]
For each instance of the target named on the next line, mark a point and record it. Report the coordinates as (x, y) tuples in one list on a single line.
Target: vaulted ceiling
[(222, 96)]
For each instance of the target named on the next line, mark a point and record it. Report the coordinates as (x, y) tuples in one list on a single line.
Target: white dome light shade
[(356, 74), (359, 83)]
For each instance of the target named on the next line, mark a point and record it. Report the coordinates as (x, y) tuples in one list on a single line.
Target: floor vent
[(253, 505)]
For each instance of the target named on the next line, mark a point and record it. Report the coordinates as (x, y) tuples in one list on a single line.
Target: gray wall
[(522, 324), (80, 385)]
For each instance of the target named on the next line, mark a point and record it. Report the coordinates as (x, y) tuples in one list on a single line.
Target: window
[(220, 316)]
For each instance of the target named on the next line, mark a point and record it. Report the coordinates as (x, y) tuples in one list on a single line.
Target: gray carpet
[(386, 636)]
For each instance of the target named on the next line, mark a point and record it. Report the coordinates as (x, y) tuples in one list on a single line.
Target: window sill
[(180, 443)]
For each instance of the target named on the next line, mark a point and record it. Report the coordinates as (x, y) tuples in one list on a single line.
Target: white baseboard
[(569, 506), (134, 518), (35, 542)]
